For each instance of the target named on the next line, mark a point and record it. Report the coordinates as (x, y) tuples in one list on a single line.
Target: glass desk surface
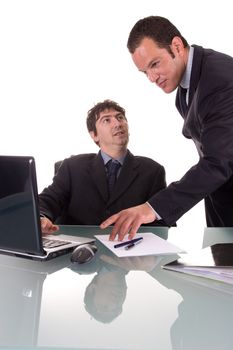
[(115, 303)]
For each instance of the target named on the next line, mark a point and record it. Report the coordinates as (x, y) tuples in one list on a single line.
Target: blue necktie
[(112, 169)]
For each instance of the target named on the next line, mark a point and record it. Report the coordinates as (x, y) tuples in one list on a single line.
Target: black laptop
[(20, 230)]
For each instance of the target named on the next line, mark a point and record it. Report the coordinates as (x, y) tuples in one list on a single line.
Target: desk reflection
[(105, 295), (205, 313), (20, 298), (185, 312)]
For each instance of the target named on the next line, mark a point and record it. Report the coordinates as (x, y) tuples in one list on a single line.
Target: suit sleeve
[(54, 198), (213, 135)]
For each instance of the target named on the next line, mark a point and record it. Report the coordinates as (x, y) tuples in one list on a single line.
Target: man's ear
[(177, 45), (94, 137)]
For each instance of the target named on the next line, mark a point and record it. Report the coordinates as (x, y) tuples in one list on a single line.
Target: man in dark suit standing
[(204, 79), (86, 189)]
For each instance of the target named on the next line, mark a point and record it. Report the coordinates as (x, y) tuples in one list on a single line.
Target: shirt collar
[(185, 81), (106, 158)]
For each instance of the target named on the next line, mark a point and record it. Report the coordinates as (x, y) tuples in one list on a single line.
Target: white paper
[(150, 245), (223, 274)]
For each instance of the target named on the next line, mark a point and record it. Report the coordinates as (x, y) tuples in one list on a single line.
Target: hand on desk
[(128, 221), (47, 226)]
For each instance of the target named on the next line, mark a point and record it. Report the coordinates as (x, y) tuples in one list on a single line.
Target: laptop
[(20, 230)]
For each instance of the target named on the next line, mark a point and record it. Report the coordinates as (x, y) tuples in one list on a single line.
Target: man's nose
[(116, 121), (152, 76)]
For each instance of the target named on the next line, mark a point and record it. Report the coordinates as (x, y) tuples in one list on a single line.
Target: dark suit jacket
[(209, 123), (79, 193)]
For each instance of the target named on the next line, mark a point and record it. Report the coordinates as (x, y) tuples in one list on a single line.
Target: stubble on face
[(112, 132), (163, 68)]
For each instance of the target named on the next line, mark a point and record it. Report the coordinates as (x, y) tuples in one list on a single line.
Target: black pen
[(131, 245), (128, 242)]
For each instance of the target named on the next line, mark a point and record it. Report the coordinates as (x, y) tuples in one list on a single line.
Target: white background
[(60, 57)]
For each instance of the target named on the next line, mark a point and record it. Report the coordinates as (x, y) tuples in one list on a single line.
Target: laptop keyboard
[(52, 243)]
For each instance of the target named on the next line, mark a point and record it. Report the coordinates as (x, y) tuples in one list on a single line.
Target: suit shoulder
[(216, 68), (74, 160), (85, 157)]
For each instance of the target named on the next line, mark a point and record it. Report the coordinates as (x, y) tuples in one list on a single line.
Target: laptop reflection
[(20, 298)]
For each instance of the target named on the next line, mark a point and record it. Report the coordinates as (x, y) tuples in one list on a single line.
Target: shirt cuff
[(158, 217)]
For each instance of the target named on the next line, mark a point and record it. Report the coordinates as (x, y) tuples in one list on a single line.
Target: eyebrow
[(110, 115), (148, 65)]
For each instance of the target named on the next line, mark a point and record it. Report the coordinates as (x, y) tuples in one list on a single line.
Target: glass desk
[(115, 303)]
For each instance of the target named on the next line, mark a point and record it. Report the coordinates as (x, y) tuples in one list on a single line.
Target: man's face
[(112, 130), (160, 67)]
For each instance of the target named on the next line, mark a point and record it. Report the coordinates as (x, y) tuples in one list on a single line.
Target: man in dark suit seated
[(86, 190)]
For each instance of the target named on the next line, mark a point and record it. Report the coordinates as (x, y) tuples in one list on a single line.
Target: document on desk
[(149, 245), (204, 263), (222, 274)]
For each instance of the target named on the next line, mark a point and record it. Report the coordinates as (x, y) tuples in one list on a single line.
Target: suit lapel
[(195, 76), (196, 70), (98, 175)]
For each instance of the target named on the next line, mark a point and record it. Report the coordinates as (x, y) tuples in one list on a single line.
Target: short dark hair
[(94, 113), (102, 314), (157, 28)]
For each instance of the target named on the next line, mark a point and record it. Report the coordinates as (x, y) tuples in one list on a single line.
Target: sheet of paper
[(150, 245), (224, 274)]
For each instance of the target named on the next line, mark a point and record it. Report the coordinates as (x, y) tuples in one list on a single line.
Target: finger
[(109, 221), (53, 228), (46, 231), (114, 232), (126, 228), (43, 223), (120, 228), (134, 228), (49, 229)]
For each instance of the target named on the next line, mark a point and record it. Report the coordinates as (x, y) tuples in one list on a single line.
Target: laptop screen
[(19, 214)]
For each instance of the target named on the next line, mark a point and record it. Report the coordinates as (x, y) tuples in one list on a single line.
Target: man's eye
[(106, 120), (154, 65)]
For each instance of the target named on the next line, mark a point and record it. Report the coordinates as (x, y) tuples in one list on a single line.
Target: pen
[(128, 242), (131, 245)]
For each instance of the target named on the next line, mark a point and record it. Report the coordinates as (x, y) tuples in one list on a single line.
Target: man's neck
[(115, 153)]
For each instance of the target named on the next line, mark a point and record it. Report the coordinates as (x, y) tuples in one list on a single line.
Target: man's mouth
[(161, 84), (119, 133)]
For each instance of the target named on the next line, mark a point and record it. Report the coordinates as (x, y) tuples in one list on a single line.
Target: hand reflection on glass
[(140, 263)]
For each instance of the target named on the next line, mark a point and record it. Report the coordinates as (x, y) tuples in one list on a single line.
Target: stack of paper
[(202, 264)]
